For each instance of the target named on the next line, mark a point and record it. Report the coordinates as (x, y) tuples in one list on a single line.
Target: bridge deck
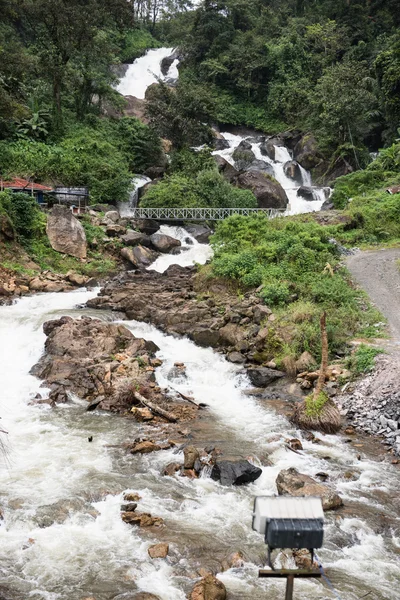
[(200, 214)]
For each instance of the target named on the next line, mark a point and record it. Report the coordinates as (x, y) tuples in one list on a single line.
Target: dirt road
[(378, 273)]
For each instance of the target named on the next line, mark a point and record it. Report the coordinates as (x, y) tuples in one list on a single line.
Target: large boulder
[(201, 233), (267, 190), (261, 165), (263, 376), (209, 588), (239, 472), (292, 170), (135, 238), (225, 168), (167, 61), (147, 226), (306, 193), (306, 152), (243, 155), (267, 148), (65, 233), (135, 107), (164, 243), (139, 256), (221, 144), (292, 483)]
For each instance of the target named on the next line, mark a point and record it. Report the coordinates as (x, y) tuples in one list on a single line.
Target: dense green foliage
[(299, 273), (24, 213), (207, 189), (332, 67)]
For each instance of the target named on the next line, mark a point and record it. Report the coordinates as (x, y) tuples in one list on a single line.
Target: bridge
[(200, 214)]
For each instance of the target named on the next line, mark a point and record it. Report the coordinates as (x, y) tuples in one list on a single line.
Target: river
[(62, 537)]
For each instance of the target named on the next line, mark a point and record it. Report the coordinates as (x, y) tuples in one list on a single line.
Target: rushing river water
[(62, 537)]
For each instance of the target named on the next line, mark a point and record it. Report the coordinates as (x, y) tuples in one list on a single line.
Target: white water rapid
[(145, 71), (190, 252), (62, 537), (297, 204)]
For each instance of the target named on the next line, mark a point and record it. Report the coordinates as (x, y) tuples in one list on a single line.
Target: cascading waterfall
[(145, 71), (95, 554), (297, 204), (126, 208)]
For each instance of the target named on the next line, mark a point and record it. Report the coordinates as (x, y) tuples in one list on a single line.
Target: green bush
[(24, 213), (207, 189), (134, 44)]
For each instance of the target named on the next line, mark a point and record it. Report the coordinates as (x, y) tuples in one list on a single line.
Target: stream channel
[(62, 537)]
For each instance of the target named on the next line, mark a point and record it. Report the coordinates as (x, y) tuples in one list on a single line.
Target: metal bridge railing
[(200, 214)]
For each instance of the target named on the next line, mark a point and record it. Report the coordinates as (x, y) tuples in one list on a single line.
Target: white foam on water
[(126, 208), (297, 204), (50, 459), (191, 252)]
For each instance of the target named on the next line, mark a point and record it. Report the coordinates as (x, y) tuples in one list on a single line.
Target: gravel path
[(373, 404), (379, 275)]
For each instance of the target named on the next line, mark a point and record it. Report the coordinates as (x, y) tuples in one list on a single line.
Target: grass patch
[(363, 359), (314, 406)]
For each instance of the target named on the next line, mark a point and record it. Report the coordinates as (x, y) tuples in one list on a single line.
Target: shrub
[(24, 213), (207, 189), (135, 43)]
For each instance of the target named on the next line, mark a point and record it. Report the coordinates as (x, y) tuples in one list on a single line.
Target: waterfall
[(145, 71), (297, 204), (126, 208)]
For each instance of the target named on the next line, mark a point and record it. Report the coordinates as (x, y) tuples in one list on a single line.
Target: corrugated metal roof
[(17, 183), (285, 507)]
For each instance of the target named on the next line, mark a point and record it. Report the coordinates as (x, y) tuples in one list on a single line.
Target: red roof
[(23, 184)]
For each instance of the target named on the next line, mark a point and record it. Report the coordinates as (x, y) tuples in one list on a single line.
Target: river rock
[(292, 170), (141, 519), (267, 148), (306, 152), (221, 144), (112, 215), (292, 483), (167, 61), (92, 358), (171, 469), (267, 190), (305, 362), (209, 588), (65, 233), (261, 165), (147, 226), (164, 243), (229, 472), (158, 551), (191, 455), (243, 156), (225, 168), (306, 193), (135, 238), (234, 561), (76, 278), (261, 377), (139, 256), (145, 447), (201, 233)]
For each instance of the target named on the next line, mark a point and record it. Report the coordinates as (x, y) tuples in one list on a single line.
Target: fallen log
[(189, 399), (155, 409)]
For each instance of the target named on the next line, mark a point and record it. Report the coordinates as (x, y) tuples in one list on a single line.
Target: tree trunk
[(324, 360)]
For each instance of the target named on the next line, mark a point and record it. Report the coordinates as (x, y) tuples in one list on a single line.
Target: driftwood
[(155, 409), (188, 399)]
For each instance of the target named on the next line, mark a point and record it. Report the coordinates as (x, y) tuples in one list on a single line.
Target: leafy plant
[(363, 359)]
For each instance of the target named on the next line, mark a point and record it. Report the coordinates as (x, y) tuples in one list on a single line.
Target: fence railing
[(200, 214)]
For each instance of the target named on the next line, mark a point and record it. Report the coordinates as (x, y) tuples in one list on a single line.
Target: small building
[(76, 198), (17, 184)]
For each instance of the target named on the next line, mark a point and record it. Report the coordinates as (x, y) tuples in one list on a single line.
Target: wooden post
[(289, 587)]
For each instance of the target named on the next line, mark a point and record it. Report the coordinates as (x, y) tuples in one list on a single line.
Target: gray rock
[(112, 215), (235, 472), (267, 190), (306, 193), (261, 165), (66, 235), (263, 376), (164, 243), (135, 238)]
